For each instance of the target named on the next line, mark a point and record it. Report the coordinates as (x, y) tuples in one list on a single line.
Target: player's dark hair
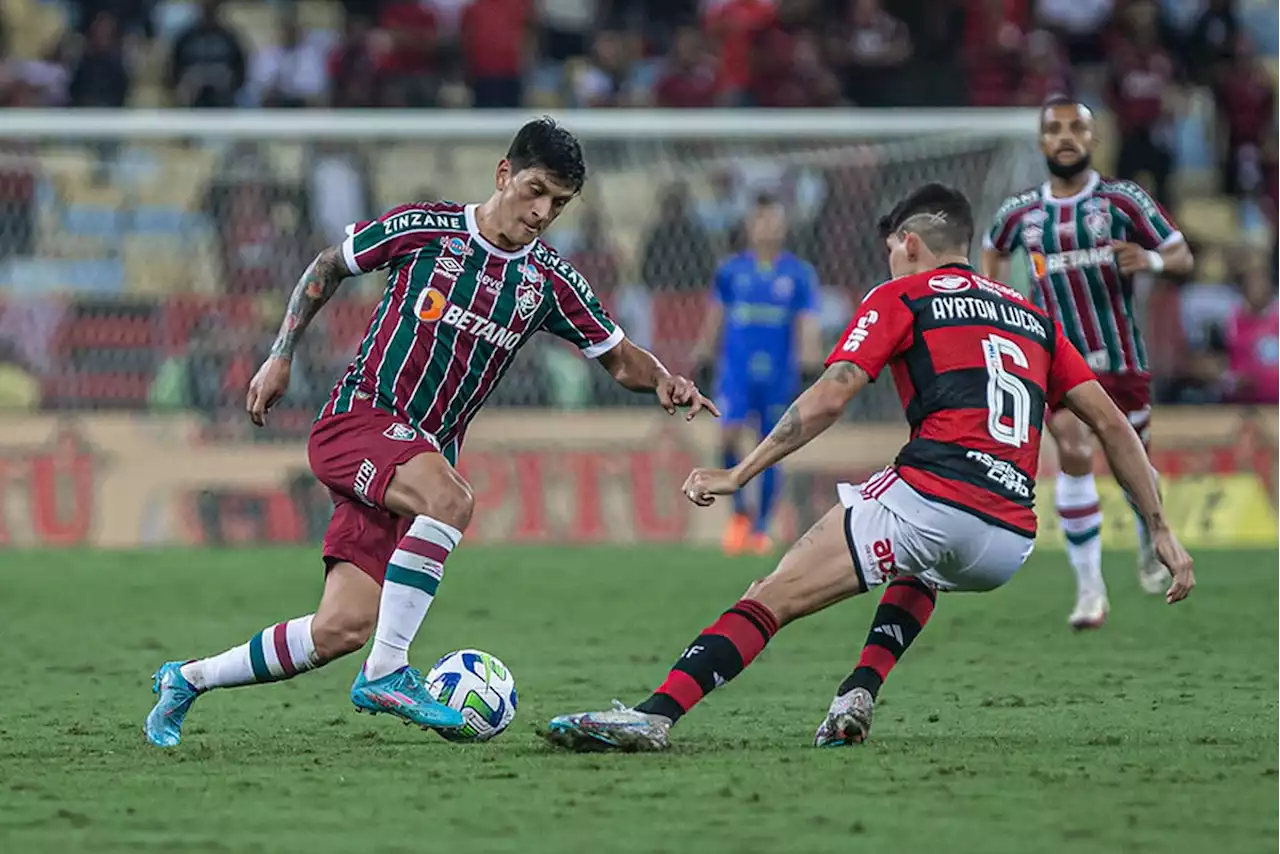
[(937, 214), (545, 144), (767, 198)]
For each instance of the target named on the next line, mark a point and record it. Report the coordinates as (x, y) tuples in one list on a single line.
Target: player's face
[(1066, 135), (768, 227), (530, 200)]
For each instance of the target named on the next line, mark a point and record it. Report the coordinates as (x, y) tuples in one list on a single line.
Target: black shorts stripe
[(853, 549)]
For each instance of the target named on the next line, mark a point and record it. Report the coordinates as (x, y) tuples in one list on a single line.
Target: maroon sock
[(717, 655), (905, 607)]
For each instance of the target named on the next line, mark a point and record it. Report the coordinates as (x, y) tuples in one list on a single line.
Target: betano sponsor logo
[(1076, 259), (432, 307)]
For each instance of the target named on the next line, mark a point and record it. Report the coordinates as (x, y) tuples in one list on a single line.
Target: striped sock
[(721, 652), (905, 607), (413, 575), (277, 652), (1080, 517)]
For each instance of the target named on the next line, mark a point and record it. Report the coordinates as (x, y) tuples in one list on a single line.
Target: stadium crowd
[(1187, 86)]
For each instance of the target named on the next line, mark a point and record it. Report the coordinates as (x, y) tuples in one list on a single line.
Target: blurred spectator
[(100, 78), (939, 31), (1212, 41), (1079, 24), (292, 70), (497, 47), (1043, 71), (721, 214), (207, 63), (994, 37), (605, 80), (408, 60), (787, 71), (353, 67), (876, 47), (133, 17), (688, 75), (1247, 107), (340, 189), (595, 255), (731, 26), (1141, 82), (566, 27), (19, 389), (675, 254), (1252, 339)]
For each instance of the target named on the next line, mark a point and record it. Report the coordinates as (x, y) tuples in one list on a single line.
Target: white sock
[(410, 585), (1080, 518), (277, 652)]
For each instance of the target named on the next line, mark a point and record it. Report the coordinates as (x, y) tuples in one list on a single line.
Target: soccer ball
[(478, 685)]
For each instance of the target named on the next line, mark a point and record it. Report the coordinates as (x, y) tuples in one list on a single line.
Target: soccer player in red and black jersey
[(1085, 237), (467, 286), (975, 365)]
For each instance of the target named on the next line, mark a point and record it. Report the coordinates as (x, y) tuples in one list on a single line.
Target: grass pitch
[(1000, 732)]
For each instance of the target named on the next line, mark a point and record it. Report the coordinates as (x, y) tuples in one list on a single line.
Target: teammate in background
[(975, 365), (467, 286), (1085, 237), (762, 326)]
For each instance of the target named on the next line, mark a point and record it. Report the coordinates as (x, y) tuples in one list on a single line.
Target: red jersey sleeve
[(879, 331), (1067, 370)]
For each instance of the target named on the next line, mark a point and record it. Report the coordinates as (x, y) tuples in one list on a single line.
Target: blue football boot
[(164, 724), (401, 693)]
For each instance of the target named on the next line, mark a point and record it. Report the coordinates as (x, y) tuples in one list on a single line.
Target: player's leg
[(770, 483), (1080, 517), (340, 625), (427, 490), (1132, 393), (817, 572), (735, 410)]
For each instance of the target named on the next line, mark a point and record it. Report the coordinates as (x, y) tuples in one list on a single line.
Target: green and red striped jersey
[(455, 311), (1068, 246)]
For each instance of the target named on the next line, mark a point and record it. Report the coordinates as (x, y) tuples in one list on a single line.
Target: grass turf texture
[(1000, 732)]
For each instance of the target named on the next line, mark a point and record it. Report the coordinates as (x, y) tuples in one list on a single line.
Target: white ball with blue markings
[(479, 686)]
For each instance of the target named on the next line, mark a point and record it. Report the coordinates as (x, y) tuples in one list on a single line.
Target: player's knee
[(341, 633), (1075, 458), (448, 500), (777, 596)]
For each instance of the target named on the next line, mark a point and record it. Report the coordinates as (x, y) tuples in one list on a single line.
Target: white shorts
[(893, 529)]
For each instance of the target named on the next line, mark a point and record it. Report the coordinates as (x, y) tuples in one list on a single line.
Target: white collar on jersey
[(1050, 199), (474, 230)]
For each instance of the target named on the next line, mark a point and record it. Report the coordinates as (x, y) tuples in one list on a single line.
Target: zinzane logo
[(949, 284), (860, 331), (364, 481)]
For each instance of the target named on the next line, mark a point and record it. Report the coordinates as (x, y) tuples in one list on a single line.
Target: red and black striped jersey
[(975, 365)]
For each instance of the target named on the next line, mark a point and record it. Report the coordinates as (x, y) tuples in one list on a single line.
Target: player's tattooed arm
[(318, 283), (817, 408)]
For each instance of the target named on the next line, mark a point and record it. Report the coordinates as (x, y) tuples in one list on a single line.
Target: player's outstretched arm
[(318, 283), (636, 369), (817, 408), (1128, 460)]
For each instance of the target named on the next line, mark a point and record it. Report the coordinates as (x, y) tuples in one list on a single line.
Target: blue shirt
[(762, 304)]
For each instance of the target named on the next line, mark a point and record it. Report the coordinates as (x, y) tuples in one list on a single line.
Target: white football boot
[(620, 728), (1091, 610), (848, 720)]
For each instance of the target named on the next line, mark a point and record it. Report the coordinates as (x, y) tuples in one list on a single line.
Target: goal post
[(130, 217)]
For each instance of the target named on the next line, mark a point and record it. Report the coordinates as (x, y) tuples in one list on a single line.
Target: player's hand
[(1130, 257), (267, 387), (1175, 558), (676, 391), (703, 485)]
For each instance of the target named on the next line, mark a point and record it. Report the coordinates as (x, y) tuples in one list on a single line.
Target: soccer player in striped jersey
[(467, 286), (975, 365), (1085, 237)]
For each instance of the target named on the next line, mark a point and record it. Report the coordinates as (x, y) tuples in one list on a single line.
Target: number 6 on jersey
[(1005, 391)]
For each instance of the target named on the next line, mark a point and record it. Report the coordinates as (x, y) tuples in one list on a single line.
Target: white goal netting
[(145, 259)]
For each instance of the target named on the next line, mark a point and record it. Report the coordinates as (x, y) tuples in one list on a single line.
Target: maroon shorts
[(355, 454), (1131, 394)]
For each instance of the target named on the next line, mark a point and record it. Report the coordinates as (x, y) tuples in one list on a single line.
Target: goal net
[(145, 257)]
